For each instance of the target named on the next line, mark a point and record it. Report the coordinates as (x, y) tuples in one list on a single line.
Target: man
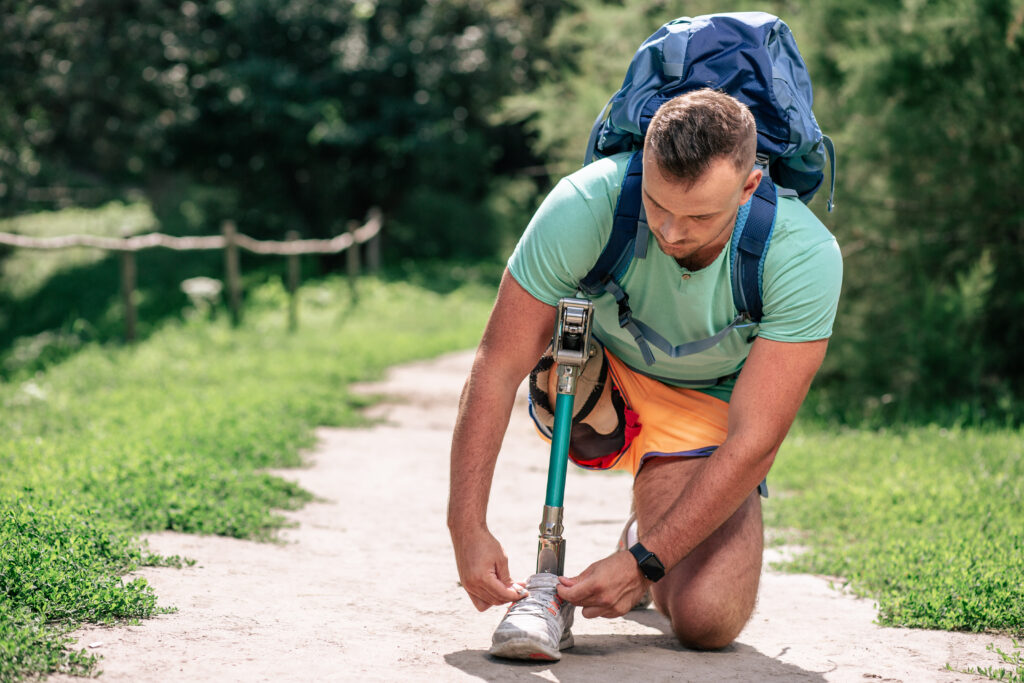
[(698, 455)]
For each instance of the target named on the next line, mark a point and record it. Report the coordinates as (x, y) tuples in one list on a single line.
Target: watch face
[(652, 568), (650, 565)]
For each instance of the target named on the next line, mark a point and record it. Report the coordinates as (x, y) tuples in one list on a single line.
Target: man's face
[(691, 223)]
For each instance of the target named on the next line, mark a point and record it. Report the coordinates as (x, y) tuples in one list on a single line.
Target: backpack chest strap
[(645, 336)]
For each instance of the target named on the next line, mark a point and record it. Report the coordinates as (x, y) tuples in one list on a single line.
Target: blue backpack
[(753, 57)]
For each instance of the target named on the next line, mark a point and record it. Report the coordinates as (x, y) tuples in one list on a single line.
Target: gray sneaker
[(536, 626), (627, 539)]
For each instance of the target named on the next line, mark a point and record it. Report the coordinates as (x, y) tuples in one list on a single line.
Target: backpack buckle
[(625, 314)]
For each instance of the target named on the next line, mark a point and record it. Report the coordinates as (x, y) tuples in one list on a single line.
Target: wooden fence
[(230, 241)]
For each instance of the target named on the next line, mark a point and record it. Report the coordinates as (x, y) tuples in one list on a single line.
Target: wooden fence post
[(373, 246), (128, 278), (232, 272), (293, 284), (352, 261), (231, 241)]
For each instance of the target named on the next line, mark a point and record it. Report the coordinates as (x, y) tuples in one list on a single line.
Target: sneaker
[(627, 539), (536, 626)]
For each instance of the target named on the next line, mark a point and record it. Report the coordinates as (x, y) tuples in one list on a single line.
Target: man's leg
[(710, 595)]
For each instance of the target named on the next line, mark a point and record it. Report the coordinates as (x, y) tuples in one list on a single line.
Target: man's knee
[(706, 616), (705, 633), (707, 627)]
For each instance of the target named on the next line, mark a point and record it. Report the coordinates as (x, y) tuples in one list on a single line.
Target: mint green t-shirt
[(801, 280)]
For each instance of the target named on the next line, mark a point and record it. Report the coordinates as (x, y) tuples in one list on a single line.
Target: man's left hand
[(607, 588)]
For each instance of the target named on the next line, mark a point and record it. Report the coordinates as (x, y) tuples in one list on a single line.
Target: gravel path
[(365, 588)]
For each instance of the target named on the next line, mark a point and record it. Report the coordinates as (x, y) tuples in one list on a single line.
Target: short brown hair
[(691, 130)]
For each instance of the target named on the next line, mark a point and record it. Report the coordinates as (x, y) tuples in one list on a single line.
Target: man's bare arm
[(517, 333), (768, 393)]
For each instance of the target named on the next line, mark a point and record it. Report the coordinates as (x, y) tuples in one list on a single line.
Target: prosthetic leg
[(539, 624), (571, 349)]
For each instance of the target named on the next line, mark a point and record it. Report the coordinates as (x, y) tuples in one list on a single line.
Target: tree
[(301, 113), (925, 99)]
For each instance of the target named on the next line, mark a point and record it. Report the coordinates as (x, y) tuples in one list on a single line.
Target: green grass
[(927, 521), (173, 434), (999, 673)]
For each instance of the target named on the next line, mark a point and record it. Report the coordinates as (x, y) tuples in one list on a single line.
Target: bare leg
[(710, 595)]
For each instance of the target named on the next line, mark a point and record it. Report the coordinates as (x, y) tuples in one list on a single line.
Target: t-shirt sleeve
[(561, 243), (801, 299)]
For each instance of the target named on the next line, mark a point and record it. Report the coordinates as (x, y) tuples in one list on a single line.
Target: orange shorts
[(667, 421), (661, 421)]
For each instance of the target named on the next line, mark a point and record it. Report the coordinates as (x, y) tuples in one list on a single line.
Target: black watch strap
[(650, 565)]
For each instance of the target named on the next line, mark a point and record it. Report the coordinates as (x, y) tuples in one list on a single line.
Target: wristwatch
[(650, 565)]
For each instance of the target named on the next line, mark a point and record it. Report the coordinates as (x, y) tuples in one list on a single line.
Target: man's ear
[(753, 180)]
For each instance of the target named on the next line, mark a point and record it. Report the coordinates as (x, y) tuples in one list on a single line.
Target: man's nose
[(673, 229)]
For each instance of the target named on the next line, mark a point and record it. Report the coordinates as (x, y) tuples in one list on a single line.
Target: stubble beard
[(700, 257)]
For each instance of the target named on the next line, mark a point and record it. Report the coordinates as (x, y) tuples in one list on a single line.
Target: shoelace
[(539, 601)]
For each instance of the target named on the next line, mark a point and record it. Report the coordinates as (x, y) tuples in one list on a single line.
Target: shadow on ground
[(649, 657)]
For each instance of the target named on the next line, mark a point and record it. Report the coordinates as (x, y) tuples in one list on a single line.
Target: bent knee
[(705, 637), (706, 619), (707, 629)]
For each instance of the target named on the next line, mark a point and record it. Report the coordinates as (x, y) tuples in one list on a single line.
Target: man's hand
[(483, 569), (517, 333), (607, 588)]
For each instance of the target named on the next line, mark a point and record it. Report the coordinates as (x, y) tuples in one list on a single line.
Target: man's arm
[(768, 393), (770, 389), (516, 335)]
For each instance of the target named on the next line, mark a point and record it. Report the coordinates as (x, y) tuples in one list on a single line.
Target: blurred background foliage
[(455, 116)]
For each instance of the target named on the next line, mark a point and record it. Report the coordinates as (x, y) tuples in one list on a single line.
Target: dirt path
[(364, 587)]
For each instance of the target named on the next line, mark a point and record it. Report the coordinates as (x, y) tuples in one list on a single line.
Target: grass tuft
[(177, 434), (927, 521), (1014, 659)]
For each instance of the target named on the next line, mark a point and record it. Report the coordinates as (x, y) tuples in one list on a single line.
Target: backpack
[(753, 57)]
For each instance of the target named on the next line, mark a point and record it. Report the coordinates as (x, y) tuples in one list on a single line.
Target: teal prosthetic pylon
[(570, 349)]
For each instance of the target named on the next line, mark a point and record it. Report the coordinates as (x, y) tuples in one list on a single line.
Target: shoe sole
[(526, 648)]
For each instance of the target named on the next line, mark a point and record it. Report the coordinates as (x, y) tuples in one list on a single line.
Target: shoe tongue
[(542, 580)]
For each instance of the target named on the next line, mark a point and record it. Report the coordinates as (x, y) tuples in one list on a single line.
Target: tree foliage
[(455, 115), (303, 114), (925, 100)]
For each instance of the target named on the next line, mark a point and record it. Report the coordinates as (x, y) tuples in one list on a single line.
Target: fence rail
[(230, 241), (337, 244)]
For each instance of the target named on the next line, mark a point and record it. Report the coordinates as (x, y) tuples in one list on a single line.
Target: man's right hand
[(483, 569), (516, 335)]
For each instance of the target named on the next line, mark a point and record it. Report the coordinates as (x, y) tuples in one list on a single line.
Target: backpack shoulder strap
[(618, 250), (749, 248)]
